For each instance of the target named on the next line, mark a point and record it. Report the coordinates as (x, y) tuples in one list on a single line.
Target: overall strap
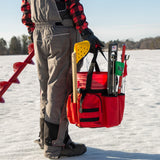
[(63, 11)]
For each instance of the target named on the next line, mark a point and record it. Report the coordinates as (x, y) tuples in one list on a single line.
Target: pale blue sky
[(109, 19)]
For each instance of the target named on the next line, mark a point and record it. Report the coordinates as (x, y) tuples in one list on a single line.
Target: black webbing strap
[(93, 65), (88, 89), (90, 72), (100, 49), (89, 119), (89, 79), (90, 110)]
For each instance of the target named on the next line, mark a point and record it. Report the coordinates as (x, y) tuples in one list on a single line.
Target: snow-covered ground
[(137, 138)]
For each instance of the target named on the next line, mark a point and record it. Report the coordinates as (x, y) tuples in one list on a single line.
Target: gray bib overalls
[(54, 38)]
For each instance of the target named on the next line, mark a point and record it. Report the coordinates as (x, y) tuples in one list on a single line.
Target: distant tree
[(130, 44), (157, 43), (146, 43), (25, 43), (3, 47), (15, 46)]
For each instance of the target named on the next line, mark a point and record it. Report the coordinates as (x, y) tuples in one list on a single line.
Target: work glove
[(95, 43)]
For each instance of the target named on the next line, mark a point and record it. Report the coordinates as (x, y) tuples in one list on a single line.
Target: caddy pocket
[(90, 111), (114, 109), (71, 110)]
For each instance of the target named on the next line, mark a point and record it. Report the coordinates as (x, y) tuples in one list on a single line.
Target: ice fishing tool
[(80, 50), (123, 67), (18, 68), (121, 77), (112, 58)]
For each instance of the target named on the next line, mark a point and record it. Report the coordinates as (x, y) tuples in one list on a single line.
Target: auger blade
[(31, 62), (17, 65), (16, 81), (3, 84), (1, 100)]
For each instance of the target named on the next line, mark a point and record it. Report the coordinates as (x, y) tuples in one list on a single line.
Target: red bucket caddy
[(98, 110), (94, 106)]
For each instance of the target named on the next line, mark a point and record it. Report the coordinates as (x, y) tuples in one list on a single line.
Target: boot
[(72, 149), (50, 134), (54, 152), (40, 141)]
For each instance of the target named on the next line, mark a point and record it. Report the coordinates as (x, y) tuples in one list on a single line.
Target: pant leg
[(73, 37), (59, 69), (42, 67)]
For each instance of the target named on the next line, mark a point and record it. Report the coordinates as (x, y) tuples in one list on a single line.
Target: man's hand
[(95, 43)]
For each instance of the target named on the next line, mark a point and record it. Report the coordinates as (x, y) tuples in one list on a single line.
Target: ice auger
[(17, 67)]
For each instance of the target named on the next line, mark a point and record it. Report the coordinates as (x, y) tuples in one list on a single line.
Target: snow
[(137, 138)]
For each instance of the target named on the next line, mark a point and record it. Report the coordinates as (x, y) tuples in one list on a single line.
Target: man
[(57, 26)]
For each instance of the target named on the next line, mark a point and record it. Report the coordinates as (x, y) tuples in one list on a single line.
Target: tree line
[(19, 45), (16, 46), (145, 43)]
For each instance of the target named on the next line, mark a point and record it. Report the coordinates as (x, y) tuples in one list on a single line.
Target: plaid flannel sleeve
[(26, 18), (77, 13)]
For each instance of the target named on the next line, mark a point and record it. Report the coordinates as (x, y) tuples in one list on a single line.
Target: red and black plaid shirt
[(74, 7), (26, 18)]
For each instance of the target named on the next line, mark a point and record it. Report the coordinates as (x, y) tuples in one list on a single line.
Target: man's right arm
[(26, 18), (77, 13)]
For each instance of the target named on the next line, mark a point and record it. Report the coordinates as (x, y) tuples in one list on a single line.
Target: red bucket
[(99, 80)]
